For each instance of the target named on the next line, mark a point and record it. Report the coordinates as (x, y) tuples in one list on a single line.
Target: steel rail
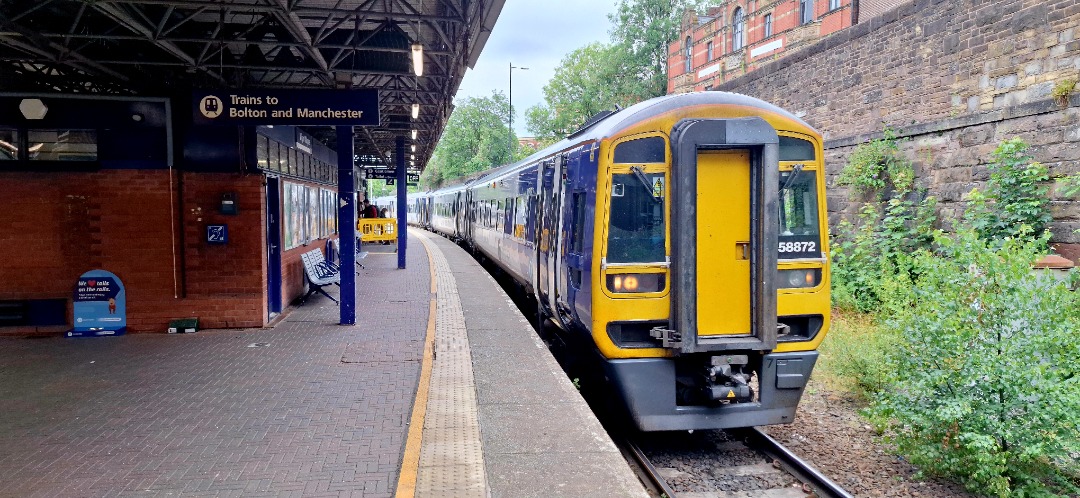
[(649, 469), (802, 470)]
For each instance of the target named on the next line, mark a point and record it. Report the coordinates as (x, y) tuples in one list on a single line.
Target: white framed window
[(768, 25), (709, 50), (834, 4)]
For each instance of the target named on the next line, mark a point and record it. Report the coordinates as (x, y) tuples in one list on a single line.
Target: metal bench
[(359, 253), (320, 273)]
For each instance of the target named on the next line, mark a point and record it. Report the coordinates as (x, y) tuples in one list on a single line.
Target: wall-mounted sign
[(100, 305), (217, 234), (285, 107)]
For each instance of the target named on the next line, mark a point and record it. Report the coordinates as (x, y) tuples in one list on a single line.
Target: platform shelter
[(107, 162)]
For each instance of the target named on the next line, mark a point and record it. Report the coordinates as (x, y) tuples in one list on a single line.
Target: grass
[(853, 355)]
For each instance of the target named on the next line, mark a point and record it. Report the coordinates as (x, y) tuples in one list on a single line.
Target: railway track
[(722, 464)]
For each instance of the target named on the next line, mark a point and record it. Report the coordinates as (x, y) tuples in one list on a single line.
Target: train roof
[(613, 123)]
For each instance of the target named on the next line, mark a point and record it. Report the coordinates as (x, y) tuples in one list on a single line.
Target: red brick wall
[(57, 226)]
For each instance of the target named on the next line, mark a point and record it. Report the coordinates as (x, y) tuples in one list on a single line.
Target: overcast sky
[(537, 35)]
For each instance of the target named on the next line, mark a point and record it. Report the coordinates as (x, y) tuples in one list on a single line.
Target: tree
[(583, 85), (476, 138), (598, 77), (642, 31)]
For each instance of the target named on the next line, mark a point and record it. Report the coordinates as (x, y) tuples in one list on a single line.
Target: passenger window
[(796, 149), (642, 150)]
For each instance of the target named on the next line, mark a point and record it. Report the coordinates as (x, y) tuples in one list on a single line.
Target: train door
[(556, 248), (546, 228), (723, 242), (571, 233), (724, 237)]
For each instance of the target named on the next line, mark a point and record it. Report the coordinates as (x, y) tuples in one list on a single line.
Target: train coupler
[(670, 338), (726, 379)]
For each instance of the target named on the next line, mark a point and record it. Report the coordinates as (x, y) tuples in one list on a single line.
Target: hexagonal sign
[(33, 108)]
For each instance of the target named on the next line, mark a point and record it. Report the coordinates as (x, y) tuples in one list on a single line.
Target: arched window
[(689, 55), (738, 30)]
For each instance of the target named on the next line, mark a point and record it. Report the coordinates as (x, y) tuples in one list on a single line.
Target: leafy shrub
[(1069, 186), (1015, 204), (868, 255), (878, 165), (986, 382)]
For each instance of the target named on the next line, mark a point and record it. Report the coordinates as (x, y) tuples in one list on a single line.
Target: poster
[(99, 306)]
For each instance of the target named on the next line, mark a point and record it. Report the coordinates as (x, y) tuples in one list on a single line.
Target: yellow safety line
[(406, 487)]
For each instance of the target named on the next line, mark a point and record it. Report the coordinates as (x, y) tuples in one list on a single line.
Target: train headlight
[(636, 282), (798, 279)]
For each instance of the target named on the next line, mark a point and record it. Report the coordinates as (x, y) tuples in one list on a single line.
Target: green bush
[(985, 385), (877, 166), (868, 255), (1015, 204)]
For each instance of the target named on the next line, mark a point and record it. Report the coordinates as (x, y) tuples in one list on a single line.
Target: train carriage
[(682, 237)]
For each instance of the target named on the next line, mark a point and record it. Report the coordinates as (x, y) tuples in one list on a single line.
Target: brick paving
[(307, 408)]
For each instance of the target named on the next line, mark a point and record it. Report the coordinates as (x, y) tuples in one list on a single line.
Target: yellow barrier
[(377, 229)]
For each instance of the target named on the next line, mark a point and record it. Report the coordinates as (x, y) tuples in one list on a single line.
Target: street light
[(510, 98)]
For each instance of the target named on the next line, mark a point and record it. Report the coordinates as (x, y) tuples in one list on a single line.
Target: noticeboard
[(99, 305)]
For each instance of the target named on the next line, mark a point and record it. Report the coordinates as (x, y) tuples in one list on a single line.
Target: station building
[(736, 37), (103, 167)]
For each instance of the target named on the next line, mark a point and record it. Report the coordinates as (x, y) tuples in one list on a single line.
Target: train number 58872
[(798, 246)]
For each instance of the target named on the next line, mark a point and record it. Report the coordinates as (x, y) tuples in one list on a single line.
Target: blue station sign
[(99, 305), (285, 107)]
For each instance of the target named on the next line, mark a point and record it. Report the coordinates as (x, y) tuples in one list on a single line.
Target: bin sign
[(100, 305)]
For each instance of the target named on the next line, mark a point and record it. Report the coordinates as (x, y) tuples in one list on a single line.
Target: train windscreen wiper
[(640, 175), (795, 170)]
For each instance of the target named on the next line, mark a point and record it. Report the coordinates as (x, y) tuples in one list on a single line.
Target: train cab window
[(9, 145), (796, 149), (637, 232), (62, 145), (642, 150), (800, 233)]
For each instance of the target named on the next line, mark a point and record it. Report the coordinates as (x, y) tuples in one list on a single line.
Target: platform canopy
[(169, 47)]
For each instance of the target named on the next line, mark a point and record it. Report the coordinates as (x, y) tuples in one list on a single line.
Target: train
[(681, 240)]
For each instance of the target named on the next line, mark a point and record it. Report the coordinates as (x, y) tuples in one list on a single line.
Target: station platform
[(441, 389)]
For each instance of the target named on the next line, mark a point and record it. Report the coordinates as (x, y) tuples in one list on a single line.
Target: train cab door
[(724, 236)]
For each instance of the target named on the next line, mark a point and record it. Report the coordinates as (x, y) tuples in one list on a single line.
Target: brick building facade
[(954, 79), (115, 201), (737, 36)]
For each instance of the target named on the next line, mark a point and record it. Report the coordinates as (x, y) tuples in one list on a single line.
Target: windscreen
[(637, 231)]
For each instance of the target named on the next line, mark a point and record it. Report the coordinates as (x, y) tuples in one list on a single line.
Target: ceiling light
[(413, 147), (415, 111), (414, 134), (418, 59)]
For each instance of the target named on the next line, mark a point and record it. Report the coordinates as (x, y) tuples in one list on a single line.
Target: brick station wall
[(955, 79), (59, 225)]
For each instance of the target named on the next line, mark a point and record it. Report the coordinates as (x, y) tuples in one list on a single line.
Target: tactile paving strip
[(451, 456)]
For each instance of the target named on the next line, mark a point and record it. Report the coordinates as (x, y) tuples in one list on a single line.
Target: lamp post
[(510, 98)]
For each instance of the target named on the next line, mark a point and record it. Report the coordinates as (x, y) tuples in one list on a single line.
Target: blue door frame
[(273, 246)]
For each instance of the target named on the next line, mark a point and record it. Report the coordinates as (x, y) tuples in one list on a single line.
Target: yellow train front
[(709, 271), (680, 240)]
